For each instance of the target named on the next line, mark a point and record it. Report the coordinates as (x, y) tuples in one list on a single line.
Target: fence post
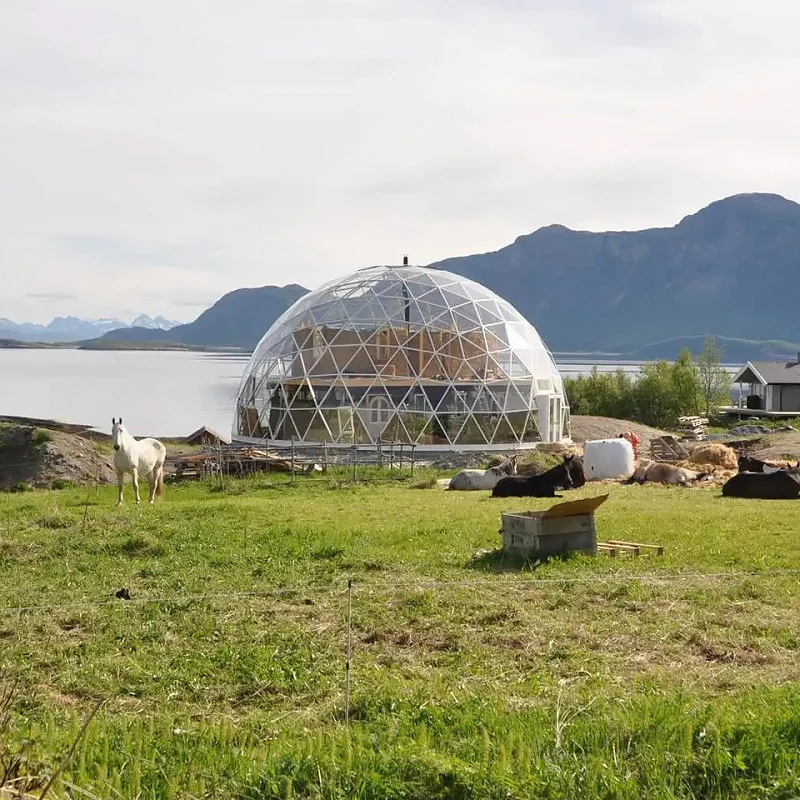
[(349, 652), (380, 453), (400, 458), (413, 451), (354, 463), (292, 463), (325, 455)]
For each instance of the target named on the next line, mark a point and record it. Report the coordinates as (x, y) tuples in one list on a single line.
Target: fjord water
[(156, 393)]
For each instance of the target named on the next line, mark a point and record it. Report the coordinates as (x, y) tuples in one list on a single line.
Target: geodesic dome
[(402, 354)]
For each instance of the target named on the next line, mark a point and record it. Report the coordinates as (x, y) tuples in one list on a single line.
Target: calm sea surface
[(157, 393)]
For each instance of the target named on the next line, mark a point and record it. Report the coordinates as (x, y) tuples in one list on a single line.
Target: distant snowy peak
[(67, 329), (81, 326), (144, 321)]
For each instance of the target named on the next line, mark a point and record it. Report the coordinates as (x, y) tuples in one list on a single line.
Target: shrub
[(41, 436)]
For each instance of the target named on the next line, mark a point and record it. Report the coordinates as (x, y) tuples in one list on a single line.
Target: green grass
[(472, 675)]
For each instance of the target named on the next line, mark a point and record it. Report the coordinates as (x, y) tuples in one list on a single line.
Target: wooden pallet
[(667, 448), (612, 547)]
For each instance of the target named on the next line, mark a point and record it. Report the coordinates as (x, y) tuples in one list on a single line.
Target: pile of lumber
[(239, 462), (693, 428)]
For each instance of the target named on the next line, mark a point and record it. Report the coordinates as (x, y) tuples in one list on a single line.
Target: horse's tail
[(160, 468)]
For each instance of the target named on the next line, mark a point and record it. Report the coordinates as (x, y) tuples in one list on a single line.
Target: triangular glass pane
[(518, 420), (531, 431), (418, 401), (453, 401), (516, 368), (360, 435), (250, 422), (339, 422), (432, 367), (465, 321), (516, 401), (395, 430), (485, 314), (504, 433), (301, 395), (451, 297), (438, 429), (472, 431), (494, 370), (486, 402), (496, 336), (289, 427)]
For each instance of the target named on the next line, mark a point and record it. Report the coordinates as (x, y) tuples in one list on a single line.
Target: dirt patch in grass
[(778, 447)]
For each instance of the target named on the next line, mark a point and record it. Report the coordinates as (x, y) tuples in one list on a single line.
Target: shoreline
[(84, 431), (94, 344)]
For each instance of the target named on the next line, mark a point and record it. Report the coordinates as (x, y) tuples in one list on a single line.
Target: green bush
[(660, 394), (41, 436)]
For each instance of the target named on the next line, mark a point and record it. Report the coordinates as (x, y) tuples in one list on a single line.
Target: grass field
[(472, 676)]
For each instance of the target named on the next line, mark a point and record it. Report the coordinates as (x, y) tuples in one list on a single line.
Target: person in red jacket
[(634, 440)]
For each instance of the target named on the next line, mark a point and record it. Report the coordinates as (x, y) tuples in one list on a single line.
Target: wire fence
[(353, 462)]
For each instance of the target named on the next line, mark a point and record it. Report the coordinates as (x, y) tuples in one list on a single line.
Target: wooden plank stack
[(695, 428)]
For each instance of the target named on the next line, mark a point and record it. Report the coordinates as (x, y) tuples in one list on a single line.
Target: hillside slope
[(731, 269), (238, 319)]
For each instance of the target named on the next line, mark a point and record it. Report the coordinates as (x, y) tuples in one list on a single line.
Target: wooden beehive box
[(563, 528)]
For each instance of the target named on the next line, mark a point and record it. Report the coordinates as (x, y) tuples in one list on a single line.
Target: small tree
[(714, 380), (655, 398), (685, 384)]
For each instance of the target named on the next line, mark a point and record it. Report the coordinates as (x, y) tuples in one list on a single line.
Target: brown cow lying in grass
[(657, 472)]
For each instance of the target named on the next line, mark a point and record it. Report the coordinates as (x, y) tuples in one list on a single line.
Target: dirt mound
[(31, 456), (778, 447), (584, 428)]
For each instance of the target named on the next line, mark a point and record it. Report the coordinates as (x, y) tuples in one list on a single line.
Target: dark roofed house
[(772, 388), (206, 436)]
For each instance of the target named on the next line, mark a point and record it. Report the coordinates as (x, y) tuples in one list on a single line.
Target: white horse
[(142, 456), (471, 479)]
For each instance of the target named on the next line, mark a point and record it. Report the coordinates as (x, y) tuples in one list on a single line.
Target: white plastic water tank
[(606, 459)]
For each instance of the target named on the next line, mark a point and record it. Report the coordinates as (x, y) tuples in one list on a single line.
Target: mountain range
[(729, 270), (71, 329)]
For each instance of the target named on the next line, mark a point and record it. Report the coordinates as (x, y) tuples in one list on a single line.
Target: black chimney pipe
[(406, 304), (405, 261)]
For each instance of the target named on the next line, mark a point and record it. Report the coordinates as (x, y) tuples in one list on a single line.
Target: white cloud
[(157, 154)]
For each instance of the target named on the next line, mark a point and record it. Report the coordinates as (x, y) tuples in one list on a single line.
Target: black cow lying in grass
[(543, 485), (781, 485)]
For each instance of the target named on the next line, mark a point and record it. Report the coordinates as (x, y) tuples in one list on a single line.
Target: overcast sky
[(159, 153)]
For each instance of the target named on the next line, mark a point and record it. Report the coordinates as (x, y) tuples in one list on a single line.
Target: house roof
[(768, 372), (204, 429)]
